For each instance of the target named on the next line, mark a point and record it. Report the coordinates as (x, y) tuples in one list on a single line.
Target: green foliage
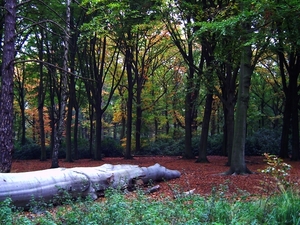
[(163, 146), (111, 147), (30, 150), (6, 212), (215, 143), (279, 170), (116, 208), (263, 140)]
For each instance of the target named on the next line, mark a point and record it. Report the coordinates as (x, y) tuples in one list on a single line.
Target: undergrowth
[(194, 209), (217, 208)]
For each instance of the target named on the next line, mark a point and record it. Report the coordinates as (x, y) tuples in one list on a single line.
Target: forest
[(90, 79)]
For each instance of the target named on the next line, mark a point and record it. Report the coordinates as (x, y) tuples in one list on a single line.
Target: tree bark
[(130, 83), (6, 96), (202, 156), (238, 165), (49, 185), (63, 93), (41, 100)]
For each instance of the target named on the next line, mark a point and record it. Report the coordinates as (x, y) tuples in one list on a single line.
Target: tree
[(285, 17), (183, 13), (63, 92), (237, 165), (76, 22), (6, 96), (249, 58)]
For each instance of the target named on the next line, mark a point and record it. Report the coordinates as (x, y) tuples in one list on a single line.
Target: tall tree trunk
[(138, 123), (188, 154), (130, 83), (91, 136), (21, 100), (229, 124), (41, 101), (69, 126), (6, 96), (98, 152), (238, 165), (41, 97), (75, 135), (294, 111), (202, 156), (284, 141), (63, 93)]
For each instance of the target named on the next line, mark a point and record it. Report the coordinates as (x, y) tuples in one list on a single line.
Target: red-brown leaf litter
[(202, 177)]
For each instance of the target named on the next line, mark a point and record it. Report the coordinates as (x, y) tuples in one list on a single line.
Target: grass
[(283, 208)]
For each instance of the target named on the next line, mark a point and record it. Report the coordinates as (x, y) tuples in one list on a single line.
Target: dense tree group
[(140, 70)]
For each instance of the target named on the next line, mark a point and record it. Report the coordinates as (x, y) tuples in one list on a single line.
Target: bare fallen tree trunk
[(48, 185)]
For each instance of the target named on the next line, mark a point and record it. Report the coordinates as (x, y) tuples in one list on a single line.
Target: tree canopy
[(141, 72)]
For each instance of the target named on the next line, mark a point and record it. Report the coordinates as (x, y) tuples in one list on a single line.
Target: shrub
[(263, 140), (30, 150), (111, 147), (163, 146), (215, 143)]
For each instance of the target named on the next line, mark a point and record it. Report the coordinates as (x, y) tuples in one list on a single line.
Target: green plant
[(263, 140), (279, 170), (111, 147), (6, 212)]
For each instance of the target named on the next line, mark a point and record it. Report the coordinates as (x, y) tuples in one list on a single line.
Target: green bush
[(263, 140), (163, 146), (111, 147), (214, 145), (6, 212), (30, 150)]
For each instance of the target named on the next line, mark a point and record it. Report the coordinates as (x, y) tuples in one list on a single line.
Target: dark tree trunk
[(294, 111), (6, 96), (91, 136), (238, 165), (284, 142), (98, 150), (130, 83), (188, 154), (139, 112), (41, 101), (75, 135), (202, 156), (63, 93), (69, 120)]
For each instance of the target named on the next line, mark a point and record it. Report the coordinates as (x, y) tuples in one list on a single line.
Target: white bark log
[(47, 184)]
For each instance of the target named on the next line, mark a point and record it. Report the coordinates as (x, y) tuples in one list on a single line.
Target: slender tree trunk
[(6, 96), (284, 141), (91, 136), (294, 112), (22, 106), (41, 101), (129, 57), (98, 152), (63, 93), (188, 125), (202, 156), (75, 135), (138, 123), (69, 127), (238, 165)]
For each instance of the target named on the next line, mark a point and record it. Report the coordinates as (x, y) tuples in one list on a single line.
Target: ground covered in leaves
[(203, 177)]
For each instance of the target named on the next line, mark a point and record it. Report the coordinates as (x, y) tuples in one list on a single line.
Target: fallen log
[(50, 184)]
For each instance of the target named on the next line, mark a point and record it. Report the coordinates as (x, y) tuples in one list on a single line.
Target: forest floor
[(203, 177)]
